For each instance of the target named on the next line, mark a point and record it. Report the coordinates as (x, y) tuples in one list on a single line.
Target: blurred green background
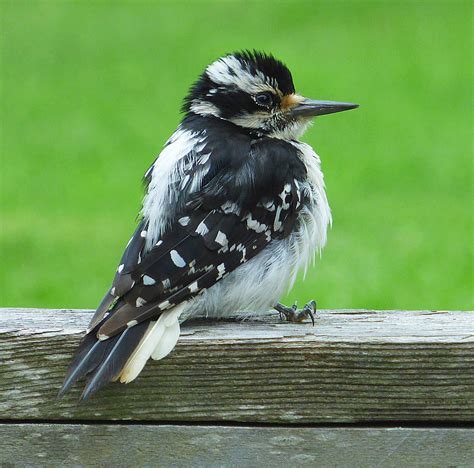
[(91, 90)]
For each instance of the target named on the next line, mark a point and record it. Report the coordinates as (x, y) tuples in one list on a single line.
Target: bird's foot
[(295, 315)]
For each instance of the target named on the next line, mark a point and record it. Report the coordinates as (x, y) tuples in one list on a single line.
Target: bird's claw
[(295, 315)]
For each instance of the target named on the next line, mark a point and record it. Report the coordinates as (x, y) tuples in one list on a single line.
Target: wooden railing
[(361, 388)]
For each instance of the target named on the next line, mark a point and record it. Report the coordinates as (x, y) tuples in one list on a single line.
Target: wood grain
[(144, 445), (352, 366)]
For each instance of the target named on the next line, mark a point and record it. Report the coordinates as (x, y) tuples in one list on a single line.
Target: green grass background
[(90, 91)]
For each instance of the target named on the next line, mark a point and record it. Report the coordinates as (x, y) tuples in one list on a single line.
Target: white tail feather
[(159, 339), (168, 342)]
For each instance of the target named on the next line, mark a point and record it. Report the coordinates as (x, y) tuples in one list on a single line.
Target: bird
[(234, 207)]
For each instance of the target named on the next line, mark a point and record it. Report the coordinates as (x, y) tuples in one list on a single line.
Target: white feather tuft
[(168, 341), (168, 171), (159, 339)]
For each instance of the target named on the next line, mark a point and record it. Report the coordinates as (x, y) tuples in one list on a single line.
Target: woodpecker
[(234, 206)]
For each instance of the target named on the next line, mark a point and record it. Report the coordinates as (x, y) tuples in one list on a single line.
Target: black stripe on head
[(271, 67), (233, 103)]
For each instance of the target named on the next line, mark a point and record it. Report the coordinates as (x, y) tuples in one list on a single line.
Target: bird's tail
[(123, 356)]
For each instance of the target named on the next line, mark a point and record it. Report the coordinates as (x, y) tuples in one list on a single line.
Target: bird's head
[(255, 91)]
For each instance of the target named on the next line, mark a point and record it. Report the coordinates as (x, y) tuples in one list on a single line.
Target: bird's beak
[(312, 108)]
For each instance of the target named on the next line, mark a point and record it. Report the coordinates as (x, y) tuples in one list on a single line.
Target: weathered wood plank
[(142, 445), (353, 366)]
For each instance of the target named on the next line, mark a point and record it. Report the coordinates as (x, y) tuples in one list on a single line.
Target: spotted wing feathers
[(233, 216)]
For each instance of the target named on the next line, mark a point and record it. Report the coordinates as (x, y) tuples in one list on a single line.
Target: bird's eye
[(264, 99)]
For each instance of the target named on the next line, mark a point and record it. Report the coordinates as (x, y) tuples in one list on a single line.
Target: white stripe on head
[(201, 107), (231, 71), (250, 120)]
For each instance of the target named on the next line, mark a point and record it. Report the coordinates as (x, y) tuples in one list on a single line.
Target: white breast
[(316, 217)]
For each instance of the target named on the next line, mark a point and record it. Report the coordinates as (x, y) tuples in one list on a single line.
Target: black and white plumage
[(234, 206)]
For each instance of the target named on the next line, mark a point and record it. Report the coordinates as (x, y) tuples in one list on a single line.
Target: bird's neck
[(198, 123)]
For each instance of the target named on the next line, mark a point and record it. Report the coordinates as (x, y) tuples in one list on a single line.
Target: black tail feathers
[(101, 361)]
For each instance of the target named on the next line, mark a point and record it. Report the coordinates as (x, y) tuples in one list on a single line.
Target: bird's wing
[(240, 207)]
